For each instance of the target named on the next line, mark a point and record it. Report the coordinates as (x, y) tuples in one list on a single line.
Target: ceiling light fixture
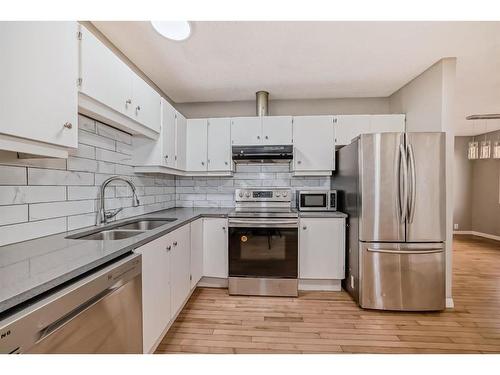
[(174, 30)]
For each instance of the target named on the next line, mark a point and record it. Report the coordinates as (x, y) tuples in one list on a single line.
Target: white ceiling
[(226, 61)]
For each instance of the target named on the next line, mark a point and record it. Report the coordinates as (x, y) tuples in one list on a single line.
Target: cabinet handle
[(138, 108), (304, 227), (175, 243), (266, 137), (258, 137), (202, 163), (223, 228), (166, 156), (68, 125), (226, 163), (299, 162), (169, 248), (129, 101)]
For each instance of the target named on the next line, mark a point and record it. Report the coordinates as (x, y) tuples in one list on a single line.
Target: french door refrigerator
[(392, 186)]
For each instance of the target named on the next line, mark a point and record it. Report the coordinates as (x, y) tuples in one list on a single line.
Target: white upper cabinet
[(105, 78), (267, 130), (196, 150), (246, 131), (387, 123), (322, 248), (314, 145), (181, 141), (277, 130), (219, 144), (38, 90), (113, 93), (168, 114), (348, 127), (146, 104)]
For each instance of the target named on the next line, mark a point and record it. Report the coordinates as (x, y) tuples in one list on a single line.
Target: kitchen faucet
[(104, 215)]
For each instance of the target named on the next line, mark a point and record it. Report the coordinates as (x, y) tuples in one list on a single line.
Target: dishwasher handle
[(60, 323)]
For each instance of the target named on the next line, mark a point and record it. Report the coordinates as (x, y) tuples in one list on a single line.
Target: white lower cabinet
[(180, 267), (196, 251), (156, 308), (215, 252), (166, 271), (322, 248)]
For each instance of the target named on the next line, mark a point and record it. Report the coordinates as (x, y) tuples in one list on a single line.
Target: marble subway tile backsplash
[(219, 191), (39, 197)]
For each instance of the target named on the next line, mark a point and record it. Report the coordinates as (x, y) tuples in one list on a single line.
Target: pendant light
[(496, 149), (473, 150), (485, 149)]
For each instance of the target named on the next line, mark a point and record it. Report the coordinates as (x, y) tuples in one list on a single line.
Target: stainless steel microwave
[(316, 200)]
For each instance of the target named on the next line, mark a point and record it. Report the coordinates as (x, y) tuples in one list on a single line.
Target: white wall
[(347, 106), (429, 104)]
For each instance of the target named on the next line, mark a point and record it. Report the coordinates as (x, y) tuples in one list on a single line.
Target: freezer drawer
[(404, 276)]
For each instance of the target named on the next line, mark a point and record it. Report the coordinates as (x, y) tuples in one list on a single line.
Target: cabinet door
[(322, 248), (38, 90), (246, 131), (277, 130), (387, 123), (180, 270), (196, 154), (105, 77), (168, 133), (156, 312), (196, 251), (314, 146), (219, 144), (348, 127), (180, 146), (215, 247), (146, 104)]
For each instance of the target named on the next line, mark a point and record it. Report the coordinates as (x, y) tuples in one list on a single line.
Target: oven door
[(263, 248)]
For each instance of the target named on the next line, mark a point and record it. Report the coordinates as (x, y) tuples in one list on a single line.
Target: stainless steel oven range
[(263, 243)]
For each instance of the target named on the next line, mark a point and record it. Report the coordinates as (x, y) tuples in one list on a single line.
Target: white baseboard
[(213, 282), (321, 285), (479, 234), (449, 303)]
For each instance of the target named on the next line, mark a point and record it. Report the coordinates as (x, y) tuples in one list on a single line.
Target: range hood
[(263, 154)]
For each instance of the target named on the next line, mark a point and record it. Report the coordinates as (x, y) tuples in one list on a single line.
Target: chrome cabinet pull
[(129, 101), (304, 227), (68, 125), (138, 108), (175, 243), (169, 247)]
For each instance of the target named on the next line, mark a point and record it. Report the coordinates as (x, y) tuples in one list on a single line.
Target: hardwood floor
[(330, 322)]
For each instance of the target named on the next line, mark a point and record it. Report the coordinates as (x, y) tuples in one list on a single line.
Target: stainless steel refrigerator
[(392, 186)]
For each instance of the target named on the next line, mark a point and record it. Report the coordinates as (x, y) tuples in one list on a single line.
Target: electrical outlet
[(455, 226)]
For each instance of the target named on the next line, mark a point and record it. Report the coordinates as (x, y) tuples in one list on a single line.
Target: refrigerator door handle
[(428, 251), (413, 186), (404, 162)]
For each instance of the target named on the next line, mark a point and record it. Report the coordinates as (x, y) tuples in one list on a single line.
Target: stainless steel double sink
[(121, 231)]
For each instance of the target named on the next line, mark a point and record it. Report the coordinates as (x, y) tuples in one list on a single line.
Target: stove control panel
[(263, 195)]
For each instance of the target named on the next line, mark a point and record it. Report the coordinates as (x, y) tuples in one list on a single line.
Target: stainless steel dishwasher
[(99, 313)]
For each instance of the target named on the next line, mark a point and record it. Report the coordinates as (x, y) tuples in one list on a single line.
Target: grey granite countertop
[(30, 268)]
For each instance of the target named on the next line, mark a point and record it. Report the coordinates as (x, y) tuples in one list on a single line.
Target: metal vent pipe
[(262, 103)]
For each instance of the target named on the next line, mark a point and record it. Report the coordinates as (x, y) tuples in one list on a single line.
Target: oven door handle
[(263, 223)]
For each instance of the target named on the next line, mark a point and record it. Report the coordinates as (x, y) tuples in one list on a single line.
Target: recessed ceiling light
[(175, 30)]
